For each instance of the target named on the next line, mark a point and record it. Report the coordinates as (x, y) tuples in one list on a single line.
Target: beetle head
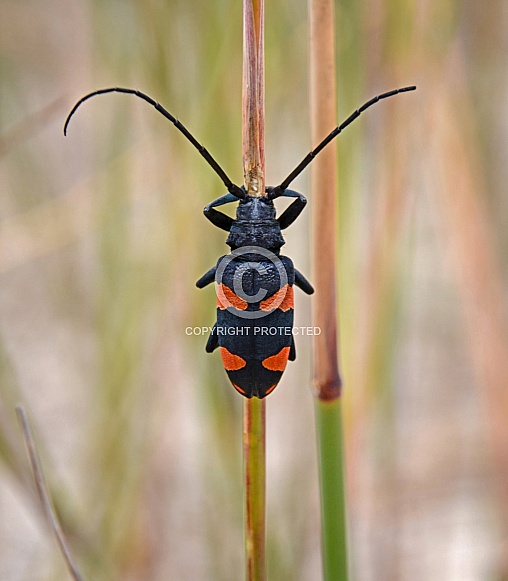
[(253, 209)]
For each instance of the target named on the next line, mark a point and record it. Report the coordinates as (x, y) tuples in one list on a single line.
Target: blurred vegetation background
[(102, 237)]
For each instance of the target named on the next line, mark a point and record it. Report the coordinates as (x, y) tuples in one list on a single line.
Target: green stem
[(332, 483), (255, 493)]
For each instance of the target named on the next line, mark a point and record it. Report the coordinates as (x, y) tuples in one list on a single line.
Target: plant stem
[(327, 381), (253, 132), (42, 491), (332, 489), (253, 97), (254, 466)]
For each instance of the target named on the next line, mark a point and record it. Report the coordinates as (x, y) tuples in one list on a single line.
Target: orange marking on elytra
[(277, 362), (284, 295), (270, 389), (231, 361), (239, 389), (227, 298)]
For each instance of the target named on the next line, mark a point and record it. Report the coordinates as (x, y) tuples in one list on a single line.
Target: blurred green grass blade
[(332, 488)]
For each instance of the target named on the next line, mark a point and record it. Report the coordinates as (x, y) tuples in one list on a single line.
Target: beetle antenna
[(232, 188), (279, 190)]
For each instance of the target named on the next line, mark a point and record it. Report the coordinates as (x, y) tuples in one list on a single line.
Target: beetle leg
[(213, 340), (218, 218), (291, 214), (207, 278), (303, 283), (292, 350)]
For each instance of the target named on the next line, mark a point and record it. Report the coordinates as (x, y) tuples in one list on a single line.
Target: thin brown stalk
[(327, 382), (253, 122), (254, 450), (253, 97), (43, 493), (323, 101)]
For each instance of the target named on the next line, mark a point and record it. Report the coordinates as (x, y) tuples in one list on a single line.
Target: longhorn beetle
[(254, 282)]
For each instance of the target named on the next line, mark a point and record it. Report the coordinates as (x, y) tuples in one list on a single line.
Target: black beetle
[(254, 282)]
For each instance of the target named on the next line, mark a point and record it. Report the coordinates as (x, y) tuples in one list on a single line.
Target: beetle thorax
[(255, 225)]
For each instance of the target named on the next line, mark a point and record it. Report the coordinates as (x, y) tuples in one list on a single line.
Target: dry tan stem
[(43, 493), (253, 97), (254, 450), (327, 382)]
